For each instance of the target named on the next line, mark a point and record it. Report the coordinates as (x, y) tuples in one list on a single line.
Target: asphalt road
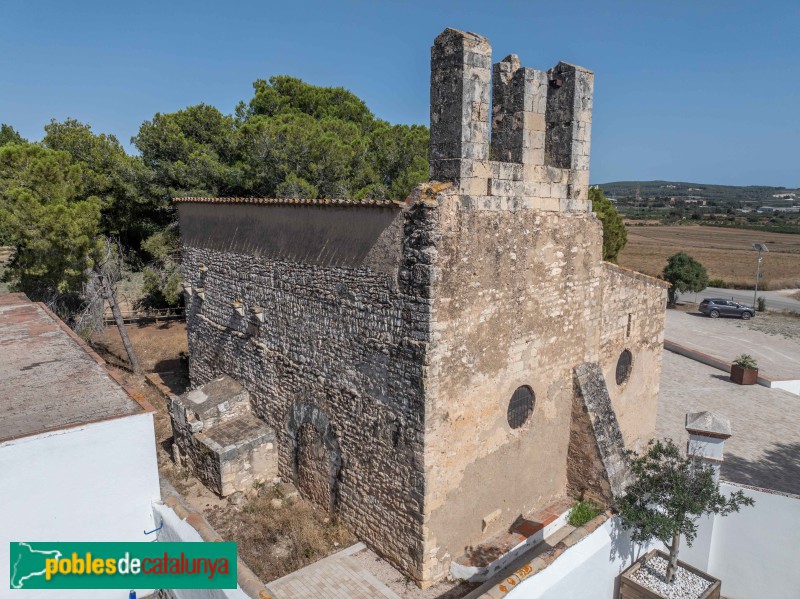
[(774, 299)]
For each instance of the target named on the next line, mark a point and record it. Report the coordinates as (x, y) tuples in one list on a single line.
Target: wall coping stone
[(635, 274), (289, 201)]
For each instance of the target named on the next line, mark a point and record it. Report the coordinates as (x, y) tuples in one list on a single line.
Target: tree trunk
[(112, 301), (671, 295), (673, 558)]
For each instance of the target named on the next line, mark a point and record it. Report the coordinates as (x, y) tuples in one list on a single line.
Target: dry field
[(727, 254)]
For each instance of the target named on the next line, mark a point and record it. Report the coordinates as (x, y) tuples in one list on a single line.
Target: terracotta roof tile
[(289, 201)]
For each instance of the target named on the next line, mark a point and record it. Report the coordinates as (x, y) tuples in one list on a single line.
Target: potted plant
[(744, 370), (667, 494)]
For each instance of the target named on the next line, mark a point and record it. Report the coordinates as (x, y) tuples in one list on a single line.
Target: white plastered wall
[(94, 482)]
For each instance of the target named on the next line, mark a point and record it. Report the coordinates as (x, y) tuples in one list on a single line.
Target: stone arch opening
[(316, 456)]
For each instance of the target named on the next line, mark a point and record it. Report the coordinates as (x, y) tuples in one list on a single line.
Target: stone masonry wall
[(516, 297), (401, 333), (341, 346), (633, 313), (541, 128)]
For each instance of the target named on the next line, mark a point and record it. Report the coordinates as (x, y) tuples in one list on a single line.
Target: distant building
[(77, 449)]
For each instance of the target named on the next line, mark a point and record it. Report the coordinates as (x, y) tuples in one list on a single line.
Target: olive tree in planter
[(744, 370), (668, 492)]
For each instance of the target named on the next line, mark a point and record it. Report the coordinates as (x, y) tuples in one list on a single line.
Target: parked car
[(717, 306)]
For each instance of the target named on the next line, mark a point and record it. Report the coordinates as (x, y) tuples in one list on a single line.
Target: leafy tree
[(8, 135), (111, 174), (325, 153), (162, 276), (55, 228), (615, 235), (684, 273), (397, 159), (668, 493), (190, 153), (48, 217), (288, 95), (290, 139)]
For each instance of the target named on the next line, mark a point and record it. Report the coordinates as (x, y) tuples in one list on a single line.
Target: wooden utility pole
[(108, 292)]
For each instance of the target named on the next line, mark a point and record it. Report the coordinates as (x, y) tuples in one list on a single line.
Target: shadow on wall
[(623, 549), (778, 469)]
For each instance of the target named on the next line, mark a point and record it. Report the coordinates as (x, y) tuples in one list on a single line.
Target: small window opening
[(520, 407), (624, 366)]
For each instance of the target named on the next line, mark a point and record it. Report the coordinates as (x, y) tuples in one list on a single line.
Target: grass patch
[(582, 512)]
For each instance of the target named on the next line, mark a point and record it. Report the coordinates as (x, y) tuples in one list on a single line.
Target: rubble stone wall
[(401, 332), (346, 338)]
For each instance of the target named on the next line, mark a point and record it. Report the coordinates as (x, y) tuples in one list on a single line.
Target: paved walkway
[(726, 338), (764, 450), (338, 576)]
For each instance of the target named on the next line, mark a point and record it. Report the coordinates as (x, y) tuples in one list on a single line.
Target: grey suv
[(716, 307)]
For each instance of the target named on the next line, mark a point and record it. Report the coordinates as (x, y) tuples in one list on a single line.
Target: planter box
[(744, 376), (630, 589)]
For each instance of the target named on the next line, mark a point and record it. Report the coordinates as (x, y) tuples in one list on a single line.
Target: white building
[(77, 450)]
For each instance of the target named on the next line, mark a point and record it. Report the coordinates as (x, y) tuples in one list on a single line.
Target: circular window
[(624, 366), (520, 407)]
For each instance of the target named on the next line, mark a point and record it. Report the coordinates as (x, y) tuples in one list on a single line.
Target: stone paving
[(764, 450), (338, 576), (726, 338)]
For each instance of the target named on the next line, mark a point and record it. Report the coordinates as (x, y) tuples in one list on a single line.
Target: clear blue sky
[(703, 91)]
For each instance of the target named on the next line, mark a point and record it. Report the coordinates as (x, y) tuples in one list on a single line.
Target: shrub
[(746, 361), (684, 273), (720, 283), (667, 495), (581, 512), (761, 304)]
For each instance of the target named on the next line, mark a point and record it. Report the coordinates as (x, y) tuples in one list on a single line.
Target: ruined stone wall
[(341, 345), (633, 312), (516, 296), (541, 128)]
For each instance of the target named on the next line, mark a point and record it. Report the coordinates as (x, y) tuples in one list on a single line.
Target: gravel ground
[(775, 323), (685, 585)]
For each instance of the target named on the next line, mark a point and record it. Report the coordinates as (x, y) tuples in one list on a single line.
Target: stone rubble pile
[(685, 585)]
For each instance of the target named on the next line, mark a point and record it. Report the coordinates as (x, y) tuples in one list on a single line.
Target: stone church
[(429, 370)]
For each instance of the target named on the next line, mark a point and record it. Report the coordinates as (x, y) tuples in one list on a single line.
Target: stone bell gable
[(540, 133), (434, 369)]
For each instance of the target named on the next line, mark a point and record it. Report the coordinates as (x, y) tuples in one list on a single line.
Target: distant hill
[(751, 194)]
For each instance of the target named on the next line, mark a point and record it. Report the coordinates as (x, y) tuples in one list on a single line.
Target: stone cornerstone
[(416, 361)]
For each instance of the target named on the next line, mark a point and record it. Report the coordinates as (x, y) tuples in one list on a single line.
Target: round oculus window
[(624, 363), (520, 407)]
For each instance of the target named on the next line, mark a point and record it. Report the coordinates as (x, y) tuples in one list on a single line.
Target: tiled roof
[(314, 202), (50, 379)]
